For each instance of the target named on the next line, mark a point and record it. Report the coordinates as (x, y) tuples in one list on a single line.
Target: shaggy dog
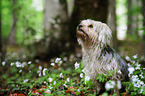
[(98, 56)]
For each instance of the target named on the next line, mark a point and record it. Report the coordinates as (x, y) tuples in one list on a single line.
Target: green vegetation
[(36, 78)]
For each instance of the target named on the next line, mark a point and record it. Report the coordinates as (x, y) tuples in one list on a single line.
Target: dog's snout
[(79, 26)]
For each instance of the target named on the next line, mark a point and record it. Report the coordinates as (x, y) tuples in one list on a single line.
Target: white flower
[(50, 87), (78, 90), (11, 64), (131, 70), (119, 84), (26, 80), (61, 75), (87, 78), (47, 91), (119, 72), (29, 62), (135, 56), (40, 67), (18, 64), (60, 62), (137, 66), (109, 85), (50, 79), (76, 65), (141, 75), (44, 71), (67, 79), (20, 71), (57, 60), (52, 64), (54, 82), (3, 63), (39, 72), (127, 58), (81, 75), (65, 85)]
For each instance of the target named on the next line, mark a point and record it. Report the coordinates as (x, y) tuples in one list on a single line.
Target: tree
[(0, 35), (112, 21), (87, 9), (143, 11), (132, 17), (12, 38), (56, 27)]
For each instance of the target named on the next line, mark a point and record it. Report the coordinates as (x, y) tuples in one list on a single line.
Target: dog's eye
[(91, 26)]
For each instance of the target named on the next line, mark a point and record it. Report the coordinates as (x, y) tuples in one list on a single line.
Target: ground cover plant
[(63, 76)]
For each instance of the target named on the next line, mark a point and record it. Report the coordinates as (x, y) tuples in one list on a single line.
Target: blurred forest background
[(42, 29)]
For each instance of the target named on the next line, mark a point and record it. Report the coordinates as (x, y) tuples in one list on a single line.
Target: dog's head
[(90, 33)]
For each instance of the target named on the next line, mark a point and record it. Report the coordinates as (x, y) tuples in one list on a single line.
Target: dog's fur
[(98, 56)]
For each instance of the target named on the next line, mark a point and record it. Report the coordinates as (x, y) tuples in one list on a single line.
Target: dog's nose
[(79, 26)]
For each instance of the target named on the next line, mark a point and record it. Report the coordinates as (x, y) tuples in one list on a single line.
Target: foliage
[(29, 21), (34, 77)]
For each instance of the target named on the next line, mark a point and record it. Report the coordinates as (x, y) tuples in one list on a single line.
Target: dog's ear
[(105, 35)]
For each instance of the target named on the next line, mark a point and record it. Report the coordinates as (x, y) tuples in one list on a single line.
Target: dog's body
[(98, 56)]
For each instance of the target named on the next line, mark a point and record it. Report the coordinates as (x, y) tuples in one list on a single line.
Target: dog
[(97, 55)]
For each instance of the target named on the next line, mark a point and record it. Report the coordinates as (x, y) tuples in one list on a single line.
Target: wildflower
[(57, 60), (3, 63), (40, 67), (20, 71), (81, 75), (141, 75), (26, 80), (52, 64), (87, 78), (127, 58), (131, 70), (119, 84), (67, 79), (109, 85), (137, 66), (50, 79), (44, 71), (23, 64), (54, 82), (76, 65), (47, 91), (50, 87), (65, 85), (78, 90), (11, 64), (61, 75), (29, 62), (18, 64), (135, 56), (60, 62), (39, 74), (119, 72)]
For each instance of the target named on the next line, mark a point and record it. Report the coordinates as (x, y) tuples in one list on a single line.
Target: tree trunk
[(56, 27), (112, 21), (87, 9), (143, 9), (12, 38), (132, 18), (0, 36)]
